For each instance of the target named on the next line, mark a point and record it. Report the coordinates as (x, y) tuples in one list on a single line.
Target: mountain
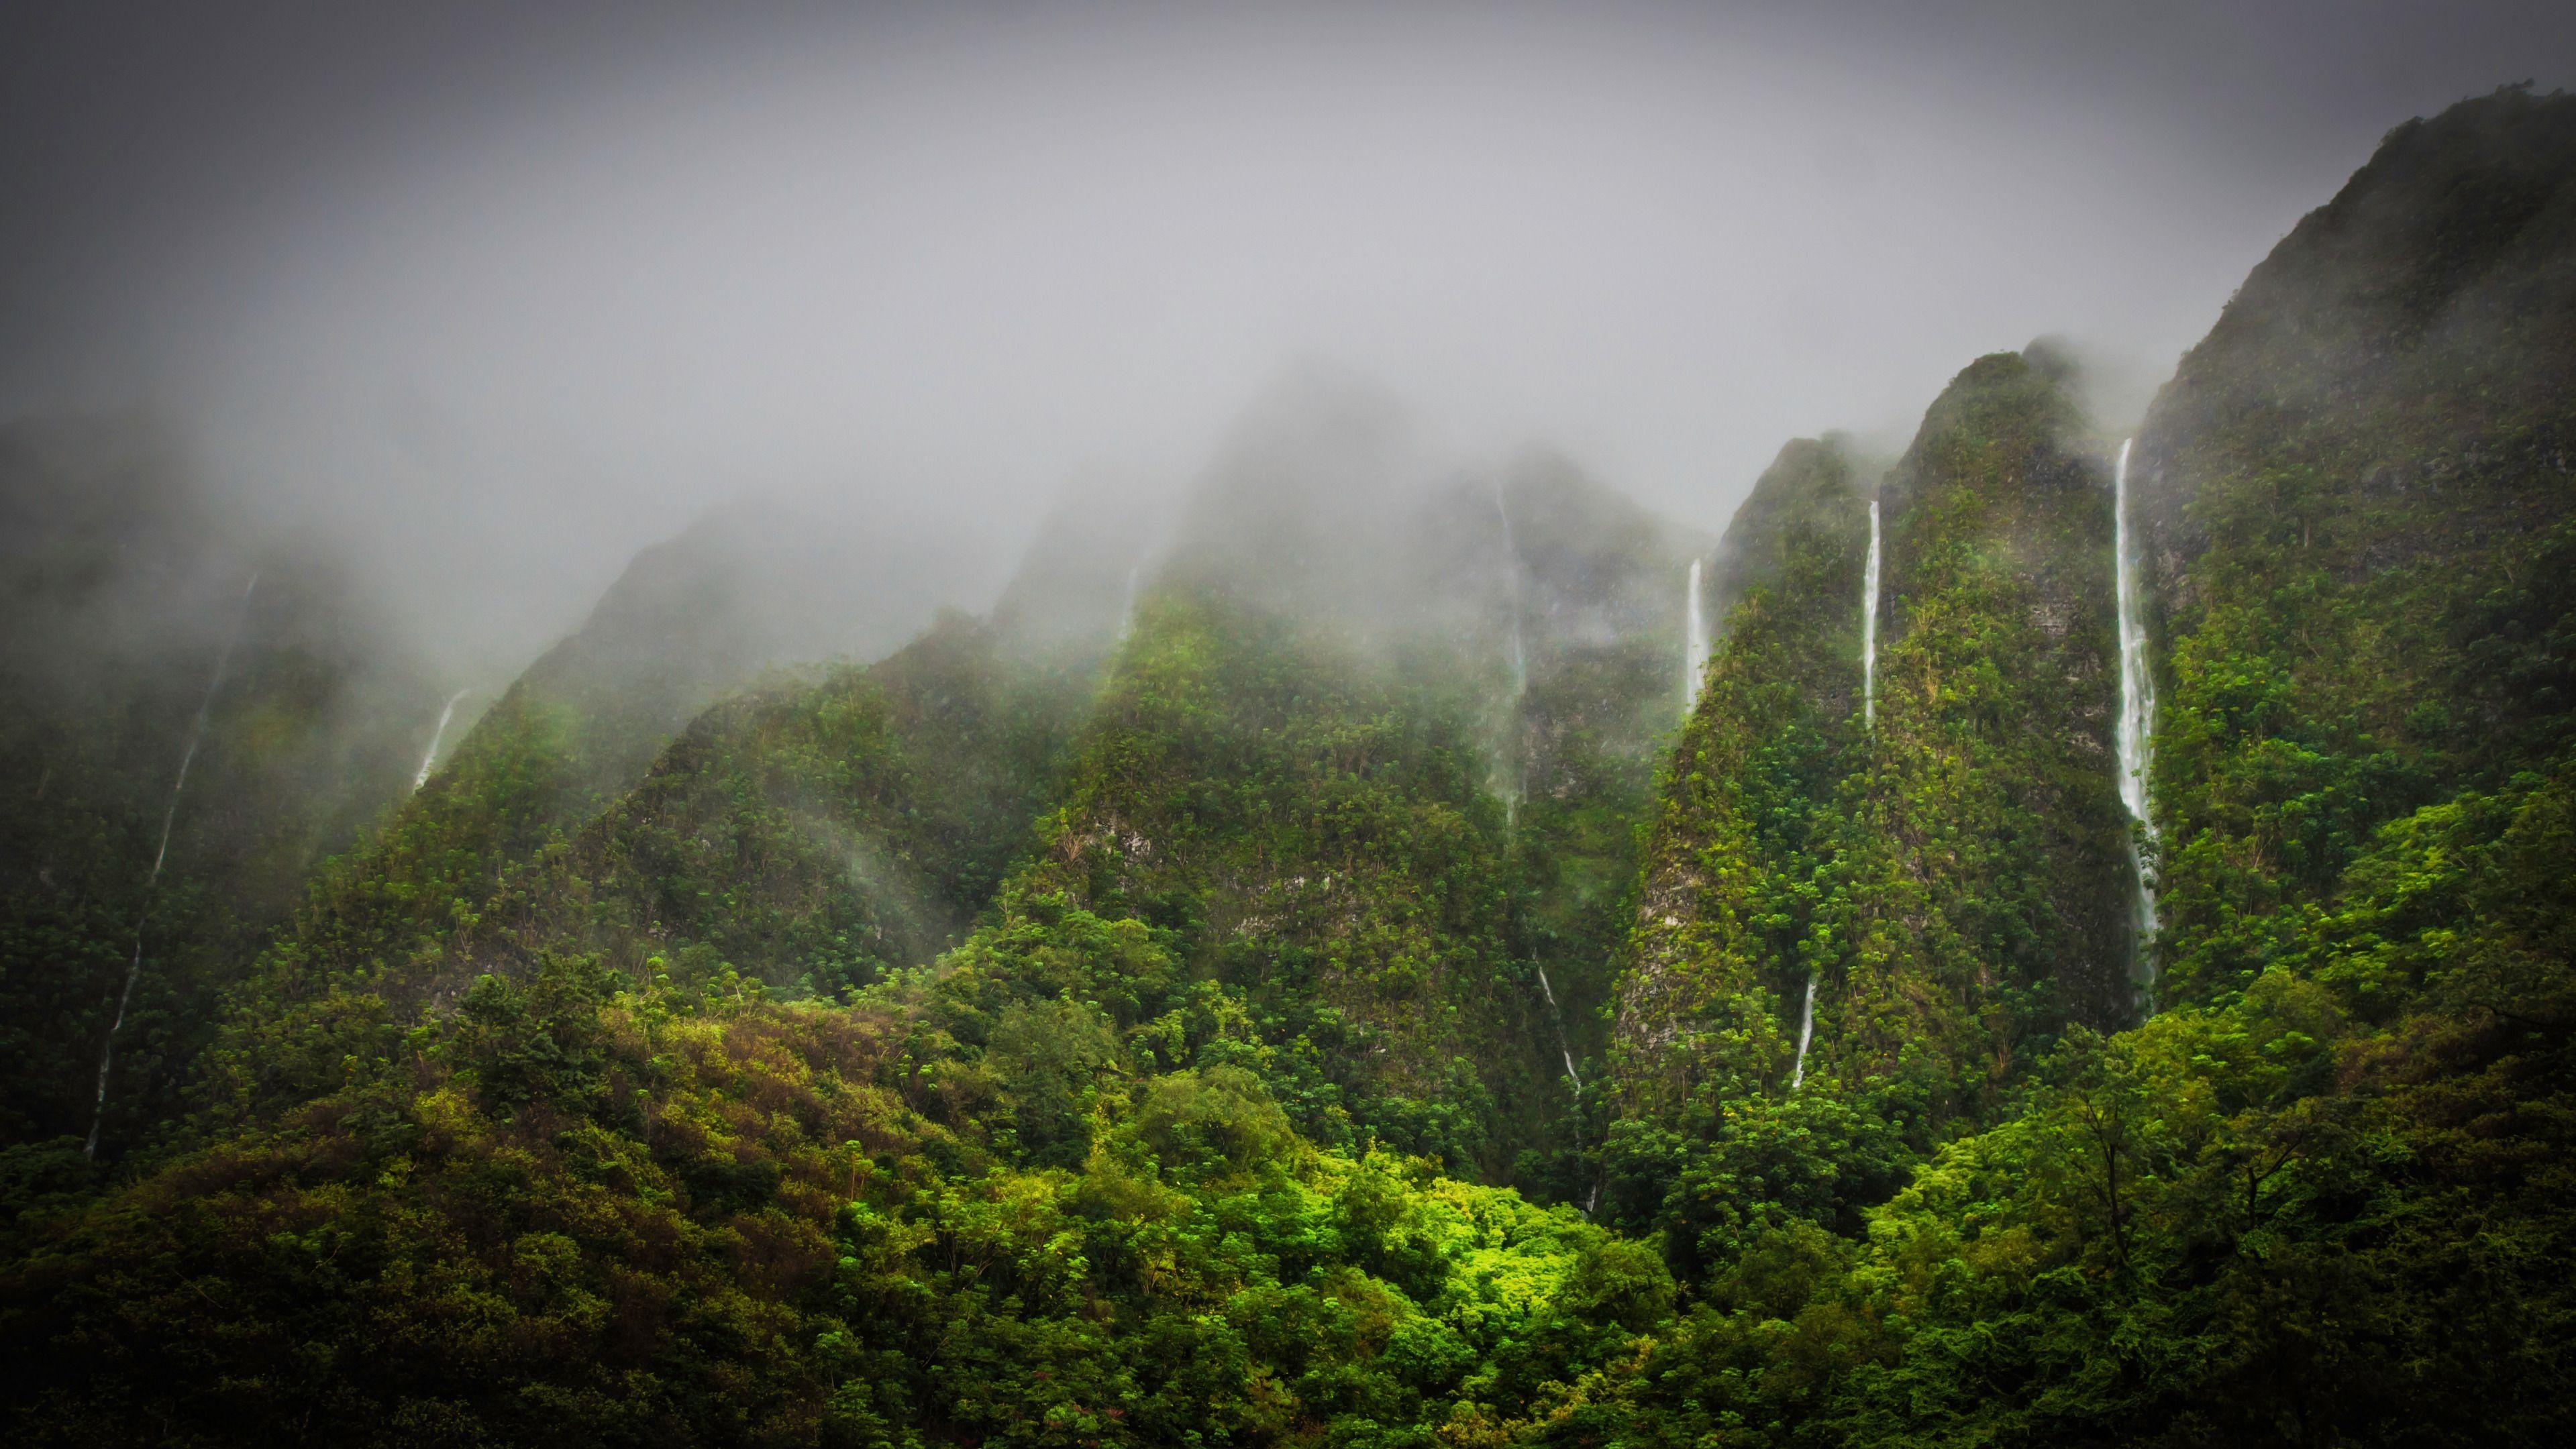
[(2318, 1195), (1951, 873), (192, 717), (403, 921), (1110, 1023), (750, 588), (809, 835), (2354, 507), (1728, 876), (1528, 605), (1985, 891)]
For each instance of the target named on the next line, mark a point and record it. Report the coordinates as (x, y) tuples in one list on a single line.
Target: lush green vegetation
[(1978, 892), (2317, 1198), (808, 837), (965, 1050), (1731, 882), (1294, 827)]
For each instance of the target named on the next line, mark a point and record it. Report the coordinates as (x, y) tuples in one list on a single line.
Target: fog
[(495, 300)]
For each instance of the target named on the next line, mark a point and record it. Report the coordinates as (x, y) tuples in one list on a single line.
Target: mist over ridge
[(499, 299)]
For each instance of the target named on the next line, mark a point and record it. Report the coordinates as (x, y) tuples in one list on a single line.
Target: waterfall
[(1694, 642), (2134, 734), (1127, 615), (1868, 632), (1806, 1033), (1557, 1015), (429, 756), (1868, 720), (169, 817)]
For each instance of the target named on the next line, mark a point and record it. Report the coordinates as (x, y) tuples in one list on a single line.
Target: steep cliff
[(2357, 495), (1718, 968), (1978, 893)]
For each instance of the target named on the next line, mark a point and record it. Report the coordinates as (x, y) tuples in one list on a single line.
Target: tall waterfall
[(1806, 1033), (1127, 615), (151, 882), (1694, 642), (2134, 734), (429, 757), (1869, 627)]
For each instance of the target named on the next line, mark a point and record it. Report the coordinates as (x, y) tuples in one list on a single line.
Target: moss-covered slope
[(1977, 899), (1529, 605), (1295, 824), (808, 836), (2359, 496), (1954, 879), (1728, 894)]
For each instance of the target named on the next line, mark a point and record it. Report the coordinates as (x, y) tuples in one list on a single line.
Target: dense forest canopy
[(1333, 963)]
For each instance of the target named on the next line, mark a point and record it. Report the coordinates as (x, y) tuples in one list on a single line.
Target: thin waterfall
[(1694, 642), (1869, 720), (1806, 1033), (429, 756), (2134, 736), (151, 882), (1557, 1015), (1127, 615), (1869, 630)]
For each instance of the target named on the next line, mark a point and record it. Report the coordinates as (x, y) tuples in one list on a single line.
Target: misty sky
[(500, 297)]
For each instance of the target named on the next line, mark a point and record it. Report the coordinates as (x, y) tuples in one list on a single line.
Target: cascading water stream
[(1869, 627), (1557, 1015), (1694, 642), (1806, 1033), (429, 757), (1127, 615), (1869, 721), (169, 817), (2134, 734)]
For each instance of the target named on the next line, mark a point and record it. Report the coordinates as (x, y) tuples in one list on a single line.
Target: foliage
[(1730, 888), (953, 1051), (596, 1214), (1304, 835)]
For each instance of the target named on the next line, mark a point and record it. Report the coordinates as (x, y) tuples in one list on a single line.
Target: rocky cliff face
[(1980, 892), (1954, 880), (2357, 493), (1717, 974), (1529, 605)]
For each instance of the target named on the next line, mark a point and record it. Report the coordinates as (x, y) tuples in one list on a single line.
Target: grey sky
[(502, 297)]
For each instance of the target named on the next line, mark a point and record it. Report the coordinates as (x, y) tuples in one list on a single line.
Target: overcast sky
[(500, 297)]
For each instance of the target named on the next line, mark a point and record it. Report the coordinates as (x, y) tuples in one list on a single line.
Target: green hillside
[(805, 838), (1718, 977), (1301, 979)]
